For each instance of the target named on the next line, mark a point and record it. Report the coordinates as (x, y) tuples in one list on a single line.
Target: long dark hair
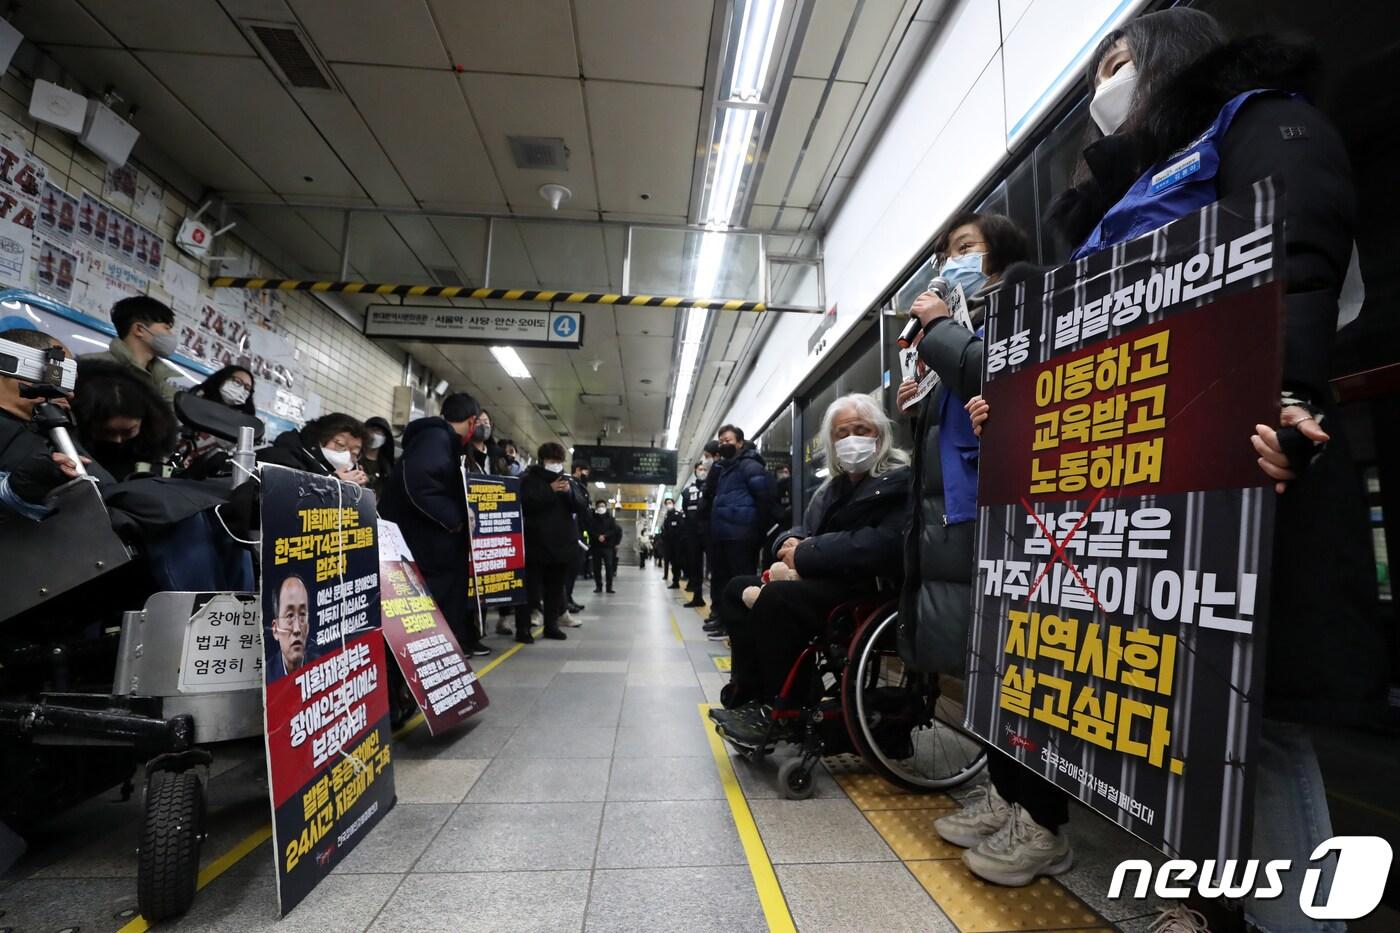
[(1163, 44), (210, 387), (107, 390), (386, 453)]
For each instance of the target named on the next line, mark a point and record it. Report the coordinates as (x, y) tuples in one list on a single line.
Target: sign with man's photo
[(1125, 528), (325, 693)]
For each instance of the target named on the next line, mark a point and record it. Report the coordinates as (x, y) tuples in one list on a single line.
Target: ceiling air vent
[(542, 152), (445, 275), (290, 55)]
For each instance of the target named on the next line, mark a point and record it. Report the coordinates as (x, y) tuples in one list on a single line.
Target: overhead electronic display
[(644, 465)]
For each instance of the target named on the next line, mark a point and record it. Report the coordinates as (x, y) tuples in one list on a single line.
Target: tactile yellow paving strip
[(977, 907), (905, 822)]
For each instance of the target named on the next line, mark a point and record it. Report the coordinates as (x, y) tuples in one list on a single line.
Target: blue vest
[(958, 449), (1179, 184)]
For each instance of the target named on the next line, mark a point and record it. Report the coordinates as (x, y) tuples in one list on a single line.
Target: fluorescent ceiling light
[(97, 343), (756, 40), (510, 361), (601, 485)]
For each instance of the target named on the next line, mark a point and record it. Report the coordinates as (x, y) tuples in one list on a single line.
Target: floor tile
[(249, 905), (681, 739), (475, 739), (510, 902), (436, 780), (817, 831), (859, 898), (397, 840), (669, 834), (911, 834), (760, 779), (674, 900), (515, 837), (872, 792), (594, 667), (978, 907), (663, 678), (560, 742), (664, 779), (529, 780)]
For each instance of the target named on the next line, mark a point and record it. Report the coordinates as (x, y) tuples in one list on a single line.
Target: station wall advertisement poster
[(325, 689), (498, 540), (1125, 528), (437, 673)]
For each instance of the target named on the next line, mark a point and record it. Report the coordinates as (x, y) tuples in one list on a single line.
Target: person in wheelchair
[(328, 446), (122, 419), (849, 542)]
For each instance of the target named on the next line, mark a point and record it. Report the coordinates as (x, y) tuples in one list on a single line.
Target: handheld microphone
[(939, 286)]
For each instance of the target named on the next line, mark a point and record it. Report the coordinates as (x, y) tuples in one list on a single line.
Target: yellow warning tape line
[(765, 880), (493, 294), (676, 628), (263, 833)]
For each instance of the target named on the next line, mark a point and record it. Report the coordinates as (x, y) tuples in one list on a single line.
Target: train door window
[(1053, 163)]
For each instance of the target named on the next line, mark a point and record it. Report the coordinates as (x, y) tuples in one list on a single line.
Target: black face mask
[(481, 433), (727, 451)]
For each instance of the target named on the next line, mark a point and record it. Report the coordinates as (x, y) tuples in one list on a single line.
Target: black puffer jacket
[(291, 449), (425, 489), (1326, 659), (551, 534), (935, 603), (853, 533)]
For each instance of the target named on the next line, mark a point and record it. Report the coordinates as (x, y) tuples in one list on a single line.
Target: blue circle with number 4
[(564, 326)]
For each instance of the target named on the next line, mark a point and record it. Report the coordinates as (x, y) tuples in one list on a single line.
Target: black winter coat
[(605, 526), (1326, 660), (291, 449), (935, 603), (743, 498), (853, 533), (425, 495), (551, 535)]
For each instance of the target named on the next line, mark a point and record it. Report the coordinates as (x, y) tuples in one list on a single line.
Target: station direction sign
[(494, 326), (652, 466)]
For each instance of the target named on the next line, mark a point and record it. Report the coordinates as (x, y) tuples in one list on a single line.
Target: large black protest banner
[(1125, 528), (498, 540), (325, 693)]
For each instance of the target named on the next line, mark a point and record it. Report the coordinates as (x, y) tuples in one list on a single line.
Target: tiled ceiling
[(427, 92)]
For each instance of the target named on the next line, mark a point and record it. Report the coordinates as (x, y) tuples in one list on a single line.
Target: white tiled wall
[(349, 372)]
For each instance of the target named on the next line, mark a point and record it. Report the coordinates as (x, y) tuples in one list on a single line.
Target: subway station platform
[(591, 795)]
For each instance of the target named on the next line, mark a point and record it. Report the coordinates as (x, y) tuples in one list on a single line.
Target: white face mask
[(233, 392), (602, 511), (338, 459), (554, 467), (856, 454), (376, 441), (1114, 99)]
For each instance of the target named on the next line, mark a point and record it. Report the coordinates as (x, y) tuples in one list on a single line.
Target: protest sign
[(436, 671), (1125, 528), (498, 540), (325, 692)]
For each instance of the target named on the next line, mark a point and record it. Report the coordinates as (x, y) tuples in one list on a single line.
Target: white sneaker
[(536, 618), (982, 816), (567, 619), (1019, 852), (503, 627), (1179, 919)]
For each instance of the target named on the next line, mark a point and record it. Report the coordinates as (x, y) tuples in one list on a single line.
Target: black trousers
[(675, 553), (693, 547), (767, 639), (604, 563), (730, 559), (544, 584), (1043, 802)]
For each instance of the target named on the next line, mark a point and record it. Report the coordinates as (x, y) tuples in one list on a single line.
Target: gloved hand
[(34, 478)]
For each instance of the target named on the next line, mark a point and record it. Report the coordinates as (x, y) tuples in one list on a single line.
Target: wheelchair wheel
[(902, 724), (796, 780), (168, 863)]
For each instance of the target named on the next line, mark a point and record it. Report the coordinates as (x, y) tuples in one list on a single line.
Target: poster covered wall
[(325, 693), (1124, 526)]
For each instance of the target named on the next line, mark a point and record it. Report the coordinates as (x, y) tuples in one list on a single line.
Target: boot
[(555, 634), (524, 637)]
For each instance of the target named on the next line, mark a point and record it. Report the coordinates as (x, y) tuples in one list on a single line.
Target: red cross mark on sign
[(1057, 551)]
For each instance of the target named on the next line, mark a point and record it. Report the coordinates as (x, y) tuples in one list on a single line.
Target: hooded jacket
[(424, 493), (936, 598), (743, 500), (853, 533), (1325, 654), (605, 526)]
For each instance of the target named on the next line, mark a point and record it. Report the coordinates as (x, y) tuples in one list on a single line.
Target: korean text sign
[(438, 674), (498, 540), (326, 692), (1125, 529)]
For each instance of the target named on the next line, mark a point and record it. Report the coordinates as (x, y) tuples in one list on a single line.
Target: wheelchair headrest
[(215, 418)]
